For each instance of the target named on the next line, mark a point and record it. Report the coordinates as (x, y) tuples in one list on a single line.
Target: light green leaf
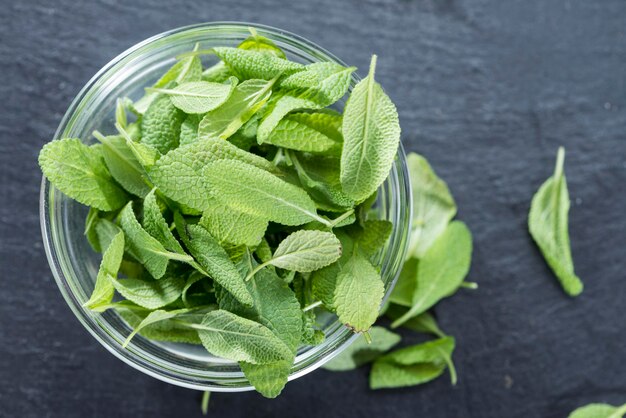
[(109, 266), (178, 175), (442, 269), (333, 81), (358, 293), (251, 64), (155, 224), (160, 125), (228, 225), (599, 410), (145, 154), (308, 132), (92, 219), (79, 172), (255, 191), (262, 44), (105, 232), (324, 280), (230, 336), (246, 99), (361, 352), (424, 323), (214, 259), (185, 70), (373, 236), (320, 177), (123, 164), (547, 223), (414, 365), (304, 251), (148, 250), (153, 294), (153, 318), (198, 96), (217, 73), (189, 130), (433, 205), (120, 111), (371, 133), (405, 286)]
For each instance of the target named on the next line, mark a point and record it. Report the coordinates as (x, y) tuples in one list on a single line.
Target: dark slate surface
[(486, 89)]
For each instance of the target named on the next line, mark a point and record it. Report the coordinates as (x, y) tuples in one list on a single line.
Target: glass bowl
[(74, 264)]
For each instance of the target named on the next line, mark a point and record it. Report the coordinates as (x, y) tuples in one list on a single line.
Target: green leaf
[(79, 172), (217, 73), (160, 125), (547, 223), (304, 251), (405, 286), (185, 70), (146, 155), (442, 269), (198, 96), (246, 99), (227, 335), (166, 330), (361, 352), (599, 410), (178, 175), (148, 250), (91, 221), (320, 177), (251, 64), (358, 293), (255, 191), (214, 259), (231, 226), (109, 266), (262, 44), (433, 205), (153, 318), (105, 232), (324, 280), (189, 130), (309, 132), (424, 323), (414, 365), (157, 226), (371, 132), (333, 81), (123, 165), (373, 236), (153, 294)]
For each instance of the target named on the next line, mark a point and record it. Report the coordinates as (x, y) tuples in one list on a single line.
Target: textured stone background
[(486, 89)]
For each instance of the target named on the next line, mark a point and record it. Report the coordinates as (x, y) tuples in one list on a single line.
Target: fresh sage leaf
[(160, 125), (109, 266), (150, 294), (197, 97), (599, 410), (547, 223), (371, 132), (361, 352), (251, 64)]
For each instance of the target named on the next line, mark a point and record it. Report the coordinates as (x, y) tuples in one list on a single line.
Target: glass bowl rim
[(93, 327)]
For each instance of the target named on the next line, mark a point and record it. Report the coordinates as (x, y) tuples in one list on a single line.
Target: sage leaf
[(145, 155), (255, 191), (185, 70), (189, 130), (414, 365), (198, 96), (324, 281), (156, 225), (109, 266), (148, 250), (304, 251), (213, 259), (441, 271), (333, 81), (373, 236), (178, 175), (599, 410), (79, 172), (152, 318), (433, 205), (371, 132), (230, 336), (308, 132), (246, 99), (123, 165), (160, 125), (361, 352), (259, 43), (251, 64), (230, 226), (547, 223), (358, 293), (150, 294), (404, 290), (424, 322)]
